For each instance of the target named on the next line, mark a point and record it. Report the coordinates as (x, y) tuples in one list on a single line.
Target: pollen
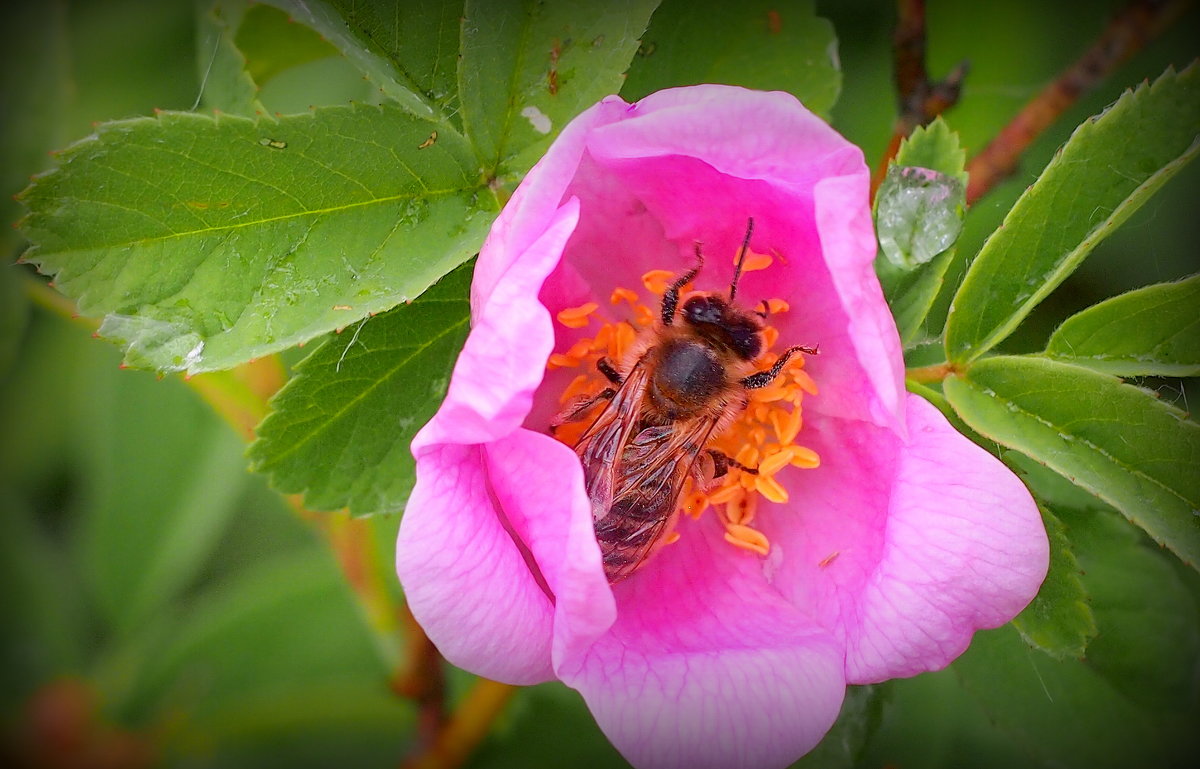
[(761, 442)]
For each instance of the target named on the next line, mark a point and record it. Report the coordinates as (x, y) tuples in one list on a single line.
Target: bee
[(679, 387)]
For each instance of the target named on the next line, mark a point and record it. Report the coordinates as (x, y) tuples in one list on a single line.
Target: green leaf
[(225, 83), (1059, 621), (1110, 166), (935, 147), (911, 287), (1133, 701), (528, 68), (910, 294), (273, 45), (766, 45), (1117, 441), (1061, 713), (1151, 331), (1147, 617), (918, 214), (410, 61), (206, 242), (341, 427)]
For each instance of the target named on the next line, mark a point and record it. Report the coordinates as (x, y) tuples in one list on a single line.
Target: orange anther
[(624, 295), (770, 489), (656, 281), (577, 317)]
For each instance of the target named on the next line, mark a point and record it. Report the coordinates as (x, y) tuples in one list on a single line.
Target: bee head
[(721, 323)]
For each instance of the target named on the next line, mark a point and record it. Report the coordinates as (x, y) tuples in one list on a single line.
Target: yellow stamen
[(657, 281), (770, 489), (774, 462), (755, 261), (762, 437), (577, 317), (624, 295), (747, 538), (829, 558), (742, 509), (672, 538), (805, 457)]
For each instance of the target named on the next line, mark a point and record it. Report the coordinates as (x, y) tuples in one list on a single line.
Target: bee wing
[(600, 445), (650, 478)]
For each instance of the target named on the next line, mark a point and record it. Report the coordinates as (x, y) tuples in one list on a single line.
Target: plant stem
[(423, 680), (471, 721), (1127, 33), (934, 373), (920, 99)]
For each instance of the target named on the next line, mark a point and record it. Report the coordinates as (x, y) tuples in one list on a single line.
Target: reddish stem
[(920, 99), (1127, 33)]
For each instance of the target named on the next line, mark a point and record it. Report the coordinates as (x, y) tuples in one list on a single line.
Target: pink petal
[(504, 358), (465, 578), (904, 547), (706, 666), (965, 550), (538, 485)]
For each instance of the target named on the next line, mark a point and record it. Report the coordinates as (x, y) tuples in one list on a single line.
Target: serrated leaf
[(935, 147), (225, 83), (911, 292), (528, 68), (1117, 441), (406, 64), (206, 242), (1151, 331), (770, 46), (1110, 166), (918, 214), (340, 429), (1059, 620)]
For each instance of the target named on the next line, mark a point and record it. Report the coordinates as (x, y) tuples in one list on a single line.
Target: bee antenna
[(737, 273)]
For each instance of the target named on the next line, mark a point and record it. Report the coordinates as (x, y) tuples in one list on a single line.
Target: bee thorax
[(687, 378)]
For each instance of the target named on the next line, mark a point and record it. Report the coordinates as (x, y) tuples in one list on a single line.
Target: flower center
[(763, 437)]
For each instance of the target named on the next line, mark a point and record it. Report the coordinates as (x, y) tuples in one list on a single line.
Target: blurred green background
[(204, 624)]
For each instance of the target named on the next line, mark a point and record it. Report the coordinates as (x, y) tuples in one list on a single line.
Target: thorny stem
[(1127, 33), (471, 721), (920, 99)]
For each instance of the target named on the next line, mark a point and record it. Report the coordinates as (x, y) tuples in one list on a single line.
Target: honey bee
[(680, 386)]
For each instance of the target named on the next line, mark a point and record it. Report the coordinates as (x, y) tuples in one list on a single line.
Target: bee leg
[(765, 311), (606, 368), (722, 462), (764, 378), (670, 298), (576, 408)]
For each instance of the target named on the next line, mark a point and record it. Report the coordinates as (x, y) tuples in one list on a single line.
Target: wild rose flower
[(876, 540)]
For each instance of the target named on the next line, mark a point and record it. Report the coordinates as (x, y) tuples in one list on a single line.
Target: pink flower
[(882, 562)]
